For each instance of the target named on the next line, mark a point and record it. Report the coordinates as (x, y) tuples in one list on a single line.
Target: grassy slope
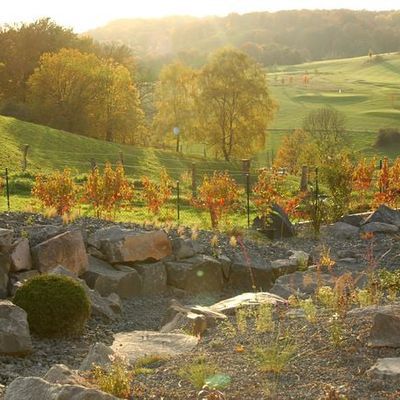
[(54, 149), (365, 97)]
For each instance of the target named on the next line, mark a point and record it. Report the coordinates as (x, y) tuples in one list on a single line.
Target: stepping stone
[(137, 344)]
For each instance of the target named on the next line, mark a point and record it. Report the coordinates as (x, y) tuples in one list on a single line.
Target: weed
[(310, 310), (197, 372), (336, 330), (115, 379), (264, 319)]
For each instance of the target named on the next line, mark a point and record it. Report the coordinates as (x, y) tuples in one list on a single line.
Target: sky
[(82, 15)]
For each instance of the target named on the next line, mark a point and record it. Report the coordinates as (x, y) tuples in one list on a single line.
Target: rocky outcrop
[(67, 249), (384, 214), (15, 337), (153, 277)]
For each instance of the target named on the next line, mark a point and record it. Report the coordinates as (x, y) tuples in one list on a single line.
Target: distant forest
[(286, 37)]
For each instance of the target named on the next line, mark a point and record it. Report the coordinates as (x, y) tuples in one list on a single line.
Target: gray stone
[(4, 282), (197, 274), (6, 237), (183, 248), (106, 279), (386, 215), (99, 354), (385, 329), (33, 388), (40, 233), (67, 249), (153, 277), (341, 230), (20, 256), (386, 368), (137, 344), (283, 267), (115, 303), (15, 338), (379, 227), (354, 219), (60, 373)]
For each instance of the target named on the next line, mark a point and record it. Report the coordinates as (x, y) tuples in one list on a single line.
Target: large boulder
[(33, 388), (184, 248), (137, 344), (123, 245), (153, 277), (99, 354), (385, 329), (343, 231), (197, 274), (250, 272), (276, 225), (15, 338), (106, 279), (385, 215), (67, 249), (20, 256), (4, 278), (40, 233), (60, 373)]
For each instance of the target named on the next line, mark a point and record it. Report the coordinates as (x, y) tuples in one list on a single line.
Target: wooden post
[(93, 164), (24, 162), (194, 183), (304, 179), (121, 157), (246, 166)]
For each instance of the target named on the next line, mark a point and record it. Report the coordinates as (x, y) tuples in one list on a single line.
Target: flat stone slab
[(137, 344), (246, 299), (386, 367)]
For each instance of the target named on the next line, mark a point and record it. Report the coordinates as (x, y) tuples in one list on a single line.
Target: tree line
[(50, 75), (285, 37)]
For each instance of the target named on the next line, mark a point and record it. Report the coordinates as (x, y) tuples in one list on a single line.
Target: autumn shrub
[(337, 174), (219, 194), (57, 191), (108, 191), (57, 306), (156, 194), (267, 191), (388, 186)]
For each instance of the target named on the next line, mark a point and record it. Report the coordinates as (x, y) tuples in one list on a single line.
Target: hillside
[(365, 90), (53, 149)]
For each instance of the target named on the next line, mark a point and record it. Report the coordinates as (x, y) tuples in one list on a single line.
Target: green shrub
[(56, 305)]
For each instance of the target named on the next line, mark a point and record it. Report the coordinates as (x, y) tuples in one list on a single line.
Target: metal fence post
[(178, 211), (7, 191), (248, 198)]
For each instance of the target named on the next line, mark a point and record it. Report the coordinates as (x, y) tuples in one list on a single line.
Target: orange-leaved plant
[(108, 191), (156, 194), (219, 194), (389, 184), (57, 191)]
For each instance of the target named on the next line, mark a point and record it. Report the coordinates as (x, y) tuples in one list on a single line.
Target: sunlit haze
[(83, 15)]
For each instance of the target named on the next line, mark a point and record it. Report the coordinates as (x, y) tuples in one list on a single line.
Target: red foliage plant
[(157, 194)]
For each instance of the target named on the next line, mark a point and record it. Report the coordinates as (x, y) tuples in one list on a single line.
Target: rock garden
[(97, 310)]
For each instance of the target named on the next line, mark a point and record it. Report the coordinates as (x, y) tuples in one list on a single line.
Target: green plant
[(390, 282), (336, 330), (264, 319), (275, 356), (198, 372), (115, 379), (309, 308), (326, 297), (56, 305)]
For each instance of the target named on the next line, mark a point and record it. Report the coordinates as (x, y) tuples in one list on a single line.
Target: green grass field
[(366, 91)]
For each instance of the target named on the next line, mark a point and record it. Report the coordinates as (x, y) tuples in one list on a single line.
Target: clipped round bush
[(57, 306)]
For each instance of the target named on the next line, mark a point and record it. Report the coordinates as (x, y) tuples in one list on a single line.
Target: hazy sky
[(85, 14)]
